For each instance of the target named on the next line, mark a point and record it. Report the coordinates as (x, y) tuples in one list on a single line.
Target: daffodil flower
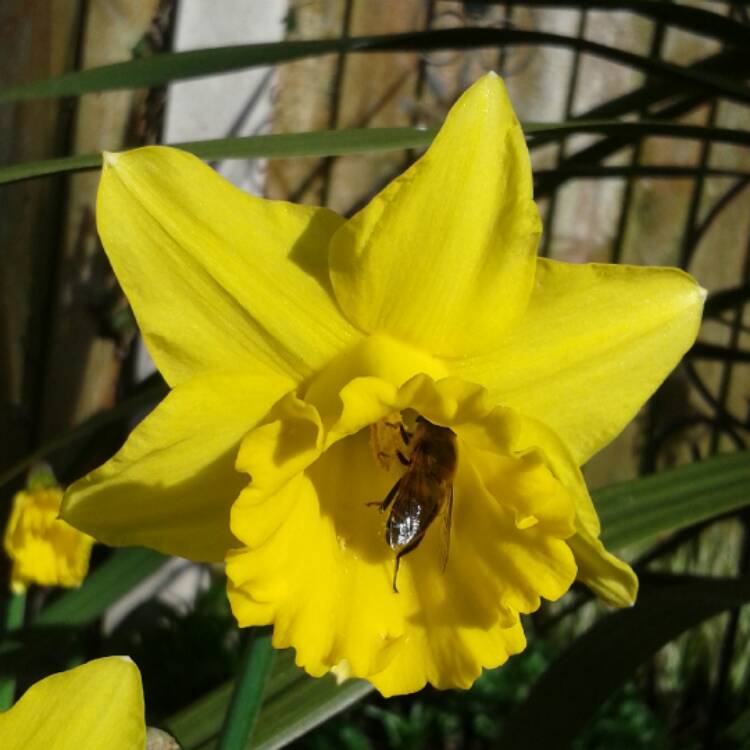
[(96, 705), (301, 348), (43, 549)]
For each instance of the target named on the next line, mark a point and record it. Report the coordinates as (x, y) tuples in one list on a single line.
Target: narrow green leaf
[(114, 578), (321, 143), (607, 654), (242, 713), (161, 69), (308, 704), (200, 722), (294, 704), (350, 141), (14, 608), (642, 509)]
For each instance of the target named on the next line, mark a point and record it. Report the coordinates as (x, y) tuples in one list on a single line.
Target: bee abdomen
[(404, 528)]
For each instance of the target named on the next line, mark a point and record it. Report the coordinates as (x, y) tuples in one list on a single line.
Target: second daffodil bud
[(44, 549)]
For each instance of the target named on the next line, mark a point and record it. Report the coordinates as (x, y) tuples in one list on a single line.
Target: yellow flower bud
[(43, 548)]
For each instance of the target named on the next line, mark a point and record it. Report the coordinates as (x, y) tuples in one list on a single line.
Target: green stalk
[(15, 608), (242, 715)]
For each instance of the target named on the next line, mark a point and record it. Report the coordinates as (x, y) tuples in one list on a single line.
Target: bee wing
[(446, 529)]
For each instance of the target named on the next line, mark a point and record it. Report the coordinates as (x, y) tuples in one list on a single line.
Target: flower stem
[(239, 722), (14, 610)]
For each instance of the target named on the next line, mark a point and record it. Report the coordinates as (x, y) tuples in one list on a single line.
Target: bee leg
[(402, 458), (405, 436), (395, 572), (383, 505), (447, 519), (405, 551)]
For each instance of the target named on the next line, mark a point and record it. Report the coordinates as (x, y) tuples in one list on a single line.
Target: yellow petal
[(444, 257), (610, 579), (527, 486), (448, 646), (376, 356), (317, 566), (534, 436), (218, 279), (297, 429), (44, 549), (96, 705), (318, 563), (595, 342), (171, 485)]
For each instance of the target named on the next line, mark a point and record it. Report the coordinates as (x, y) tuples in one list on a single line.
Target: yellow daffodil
[(96, 705), (42, 548), (420, 353)]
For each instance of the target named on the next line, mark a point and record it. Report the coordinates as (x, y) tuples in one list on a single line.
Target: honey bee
[(423, 492)]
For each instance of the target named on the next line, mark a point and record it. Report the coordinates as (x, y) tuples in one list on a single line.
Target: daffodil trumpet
[(297, 343)]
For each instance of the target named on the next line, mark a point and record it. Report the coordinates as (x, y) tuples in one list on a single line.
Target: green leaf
[(294, 704), (309, 703), (320, 143), (200, 723), (161, 69), (581, 679), (247, 697), (350, 141), (111, 580), (642, 509), (14, 609)]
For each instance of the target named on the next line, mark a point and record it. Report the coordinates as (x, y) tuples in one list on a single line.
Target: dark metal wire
[(562, 147), (335, 101)]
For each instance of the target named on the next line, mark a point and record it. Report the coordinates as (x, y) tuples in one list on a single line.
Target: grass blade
[(350, 141), (113, 579), (247, 696), (14, 608), (161, 69), (310, 704), (294, 704)]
